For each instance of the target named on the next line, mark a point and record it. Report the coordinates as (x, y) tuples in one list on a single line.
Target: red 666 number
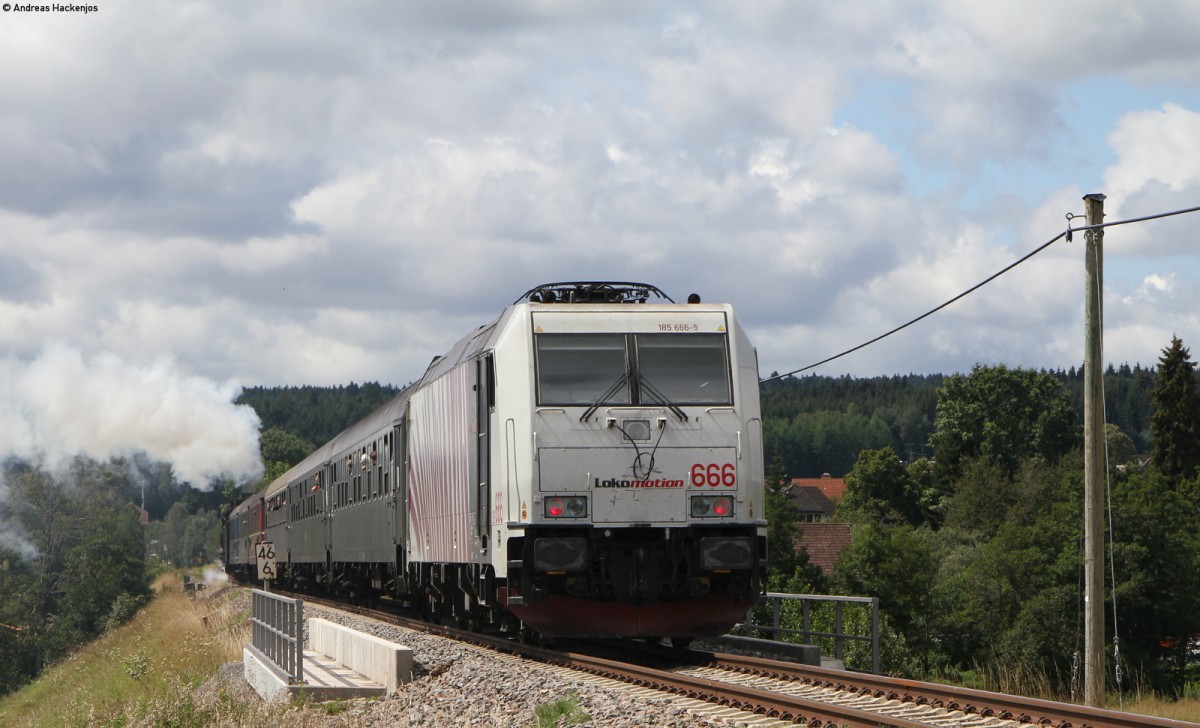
[(714, 475)]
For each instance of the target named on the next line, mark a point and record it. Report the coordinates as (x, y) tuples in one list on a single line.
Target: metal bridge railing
[(277, 632), (839, 635)]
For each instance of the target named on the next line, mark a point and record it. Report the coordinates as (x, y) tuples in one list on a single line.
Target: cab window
[(578, 369), (684, 368)]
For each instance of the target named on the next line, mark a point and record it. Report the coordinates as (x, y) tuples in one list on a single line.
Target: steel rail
[(967, 700), (814, 713)]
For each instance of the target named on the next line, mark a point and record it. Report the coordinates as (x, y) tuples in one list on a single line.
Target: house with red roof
[(817, 499), (824, 543)]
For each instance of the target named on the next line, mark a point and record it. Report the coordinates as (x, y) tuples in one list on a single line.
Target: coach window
[(685, 368), (578, 369)]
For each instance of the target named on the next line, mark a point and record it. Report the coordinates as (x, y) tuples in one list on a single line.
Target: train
[(587, 464)]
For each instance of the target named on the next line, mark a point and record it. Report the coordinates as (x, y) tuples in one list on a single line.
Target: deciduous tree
[(879, 489), (898, 565), (87, 552), (1004, 416)]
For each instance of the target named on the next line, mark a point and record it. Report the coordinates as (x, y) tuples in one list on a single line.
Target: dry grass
[(1146, 702), (1033, 683), (175, 643), (164, 668), (1183, 709)]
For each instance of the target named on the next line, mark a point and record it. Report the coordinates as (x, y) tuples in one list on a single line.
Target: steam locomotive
[(589, 463)]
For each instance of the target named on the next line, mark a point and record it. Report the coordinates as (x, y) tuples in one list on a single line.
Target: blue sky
[(305, 193)]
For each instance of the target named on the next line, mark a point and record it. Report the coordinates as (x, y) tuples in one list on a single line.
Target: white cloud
[(1157, 284), (1155, 145), (1056, 41)]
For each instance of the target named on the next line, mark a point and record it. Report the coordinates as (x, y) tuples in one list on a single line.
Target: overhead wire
[(928, 313), (1065, 234)]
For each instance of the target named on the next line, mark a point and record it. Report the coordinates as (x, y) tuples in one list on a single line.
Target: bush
[(124, 607)]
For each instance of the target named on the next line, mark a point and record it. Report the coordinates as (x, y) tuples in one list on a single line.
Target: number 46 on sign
[(265, 552)]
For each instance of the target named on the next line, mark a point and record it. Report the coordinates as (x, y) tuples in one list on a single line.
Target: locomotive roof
[(593, 292)]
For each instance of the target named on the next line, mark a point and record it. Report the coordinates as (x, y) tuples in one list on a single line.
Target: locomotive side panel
[(512, 465), (441, 447)]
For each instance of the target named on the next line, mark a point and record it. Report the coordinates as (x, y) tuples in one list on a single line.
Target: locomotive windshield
[(585, 369), (684, 368), (581, 368)]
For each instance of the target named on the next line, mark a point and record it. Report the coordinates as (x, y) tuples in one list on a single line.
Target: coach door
[(398, 500), (485, 404)]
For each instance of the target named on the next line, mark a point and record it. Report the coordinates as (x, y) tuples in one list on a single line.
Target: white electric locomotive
[(588, 464)]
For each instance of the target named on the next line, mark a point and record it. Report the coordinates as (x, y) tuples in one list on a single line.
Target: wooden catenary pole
[(1093, 456)]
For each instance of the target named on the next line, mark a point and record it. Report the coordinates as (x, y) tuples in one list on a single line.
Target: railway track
[(789, 692)]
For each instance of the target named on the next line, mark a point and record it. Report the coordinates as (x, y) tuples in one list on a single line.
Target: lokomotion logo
[(649, 483)]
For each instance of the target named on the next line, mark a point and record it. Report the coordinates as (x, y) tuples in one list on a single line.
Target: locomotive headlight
[(722, 553), (560, 554), (574, 506), (711, 506)]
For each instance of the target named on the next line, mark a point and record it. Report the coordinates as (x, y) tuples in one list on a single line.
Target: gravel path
[(461, 685)]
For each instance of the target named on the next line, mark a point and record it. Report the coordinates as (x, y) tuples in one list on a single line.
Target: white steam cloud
[(10, 538), (59, 406)]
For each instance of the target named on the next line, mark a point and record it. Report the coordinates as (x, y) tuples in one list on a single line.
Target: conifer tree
[(1175, 422)]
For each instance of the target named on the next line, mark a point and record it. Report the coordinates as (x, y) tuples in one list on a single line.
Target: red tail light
[(567, 506), (712, 506)]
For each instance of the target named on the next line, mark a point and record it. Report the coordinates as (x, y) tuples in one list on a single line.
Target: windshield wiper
[(608, 394), (662, 398)]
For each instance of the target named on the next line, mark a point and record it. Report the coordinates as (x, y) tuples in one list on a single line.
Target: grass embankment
[(144, 672)]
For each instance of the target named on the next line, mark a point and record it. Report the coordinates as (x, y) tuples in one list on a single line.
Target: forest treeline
[(818, 424), (315, 414)]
